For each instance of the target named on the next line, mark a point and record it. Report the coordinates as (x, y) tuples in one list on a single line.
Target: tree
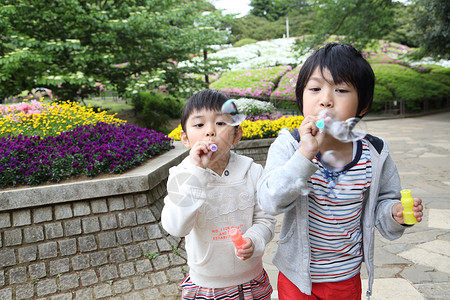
[(69, 46), (431, 27), (357, 21)]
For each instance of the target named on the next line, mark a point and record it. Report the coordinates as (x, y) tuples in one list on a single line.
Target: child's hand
[(397, 211), (247, 250), (200, 154), (310, 136)]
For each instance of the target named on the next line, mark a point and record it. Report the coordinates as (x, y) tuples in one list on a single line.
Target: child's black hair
[(206, 99), (346, 64)]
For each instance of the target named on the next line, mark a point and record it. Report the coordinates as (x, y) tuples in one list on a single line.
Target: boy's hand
[(247, 250), (397, 211), (310, 136), (200, 154)]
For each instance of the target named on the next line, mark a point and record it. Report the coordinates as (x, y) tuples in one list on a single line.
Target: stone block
[(116, 203), (66, 296), (63, 211), (87, 243), (69, 281), (127, 219), (7, 258), (161, 262), (91, 225), (107, 239), (121, 286), (88, 278), (2, 278), (84, 294), (126, 269), (81, 209), (143, 266), (59, 266), (99, 206), (170, 290), (124, 236), (13, 237), (33, 234), (48, 250), (17, 275), (42, 214), (154, 232), (68, 247), (108, 273), (37, 271), (27, 254), (175, 274), (5, 220), (149, 247), (80, 262), (141, 282), (153, 294), (46, 287), (54, 230), (108, 222), (129, 201), (117, 255), (102, 291), (6, 294), (140, 200), (25, 291), (145, 216), (176, 260), (72, 227), (133, 251), (158, 278), (21, 217), (164, 245), (139, 234), (99, 258), (156, 211)]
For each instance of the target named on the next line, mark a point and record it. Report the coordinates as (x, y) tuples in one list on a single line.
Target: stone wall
[(98, 238)]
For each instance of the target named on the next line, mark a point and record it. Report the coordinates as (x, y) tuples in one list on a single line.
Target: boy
[(210, 192), (327, 233)]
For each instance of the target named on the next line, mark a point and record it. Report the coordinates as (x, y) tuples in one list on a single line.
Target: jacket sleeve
[(263, 229), (389, 194), (186, 193), (277, 188)]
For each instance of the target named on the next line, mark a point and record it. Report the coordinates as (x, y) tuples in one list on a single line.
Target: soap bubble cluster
[(230, 109)]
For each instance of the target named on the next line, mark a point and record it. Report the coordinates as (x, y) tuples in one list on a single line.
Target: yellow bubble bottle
[(408, 203)]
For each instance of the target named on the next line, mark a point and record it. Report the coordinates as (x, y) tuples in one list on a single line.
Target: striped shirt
[(335, 205)]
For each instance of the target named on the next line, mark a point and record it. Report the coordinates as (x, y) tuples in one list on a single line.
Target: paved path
[(416, 266)]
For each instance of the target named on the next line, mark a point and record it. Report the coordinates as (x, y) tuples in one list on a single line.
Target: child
[(327, 233), (210, 192)]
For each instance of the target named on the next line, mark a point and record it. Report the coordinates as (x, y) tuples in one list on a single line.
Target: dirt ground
[(130, 117)]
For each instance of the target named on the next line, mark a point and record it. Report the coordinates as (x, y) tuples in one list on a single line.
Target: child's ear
[(237, 135), (184, 139), (363, 112)]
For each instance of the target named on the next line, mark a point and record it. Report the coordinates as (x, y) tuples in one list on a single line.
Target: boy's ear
[(237, 135), (184, 139), (363, 112)]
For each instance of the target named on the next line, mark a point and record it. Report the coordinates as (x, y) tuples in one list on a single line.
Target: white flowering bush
[(249, 106)]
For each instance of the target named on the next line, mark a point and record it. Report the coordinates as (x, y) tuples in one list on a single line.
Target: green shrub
[(381, 94), (411, 86), (155, 110), (244, 42)]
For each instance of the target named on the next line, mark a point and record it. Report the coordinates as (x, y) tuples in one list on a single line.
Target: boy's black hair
[(206, 99), (345, 64)]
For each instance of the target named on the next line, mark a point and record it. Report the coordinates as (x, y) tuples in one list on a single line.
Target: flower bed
[(74, 141), (256, 83), (258, 129), (286, 87)]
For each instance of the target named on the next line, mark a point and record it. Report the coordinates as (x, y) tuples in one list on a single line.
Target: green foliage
[(118, 43), (431, 27), (156, 110), (409, 85), (359, 22), (244, 42)]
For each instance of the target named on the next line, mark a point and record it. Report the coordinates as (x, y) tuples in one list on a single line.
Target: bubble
[(350, 130), (183, 189), (357, 129), (333, 160), (213, 147), (231, 109), (302, 186)]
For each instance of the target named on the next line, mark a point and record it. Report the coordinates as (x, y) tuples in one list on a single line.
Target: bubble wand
[(236, 238)]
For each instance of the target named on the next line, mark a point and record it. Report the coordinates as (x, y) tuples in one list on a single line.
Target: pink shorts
[(258, 289), (349, 289)]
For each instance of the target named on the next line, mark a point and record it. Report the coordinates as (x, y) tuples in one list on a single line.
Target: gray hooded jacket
[(278, 193)]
